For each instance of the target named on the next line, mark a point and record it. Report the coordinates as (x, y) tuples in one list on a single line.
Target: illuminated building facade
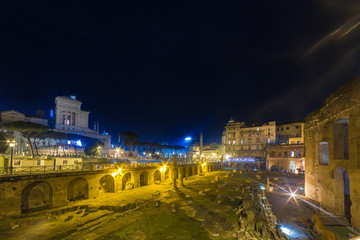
[(285, 157), (332, 144), (69, 118), (290, 133), (248, 140)]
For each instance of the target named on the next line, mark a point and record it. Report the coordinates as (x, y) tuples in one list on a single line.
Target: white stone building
[(69, 118)]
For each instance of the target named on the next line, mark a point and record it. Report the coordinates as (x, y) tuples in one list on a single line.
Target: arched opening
[(78, 189), (36, 196), (144, 178), (190, 171), (184, 172), (126, 182), (157, 177), (107, 184), (200, 169), (342, 193)]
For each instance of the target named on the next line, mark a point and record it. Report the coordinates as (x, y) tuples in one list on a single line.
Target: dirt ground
[(203, 208)]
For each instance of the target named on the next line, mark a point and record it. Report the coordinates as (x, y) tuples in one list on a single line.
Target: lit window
[(268, 140), (292, 154), (65, 162), (242, 141), (257, 129), (229, 142), (234, 142), (229, 135)]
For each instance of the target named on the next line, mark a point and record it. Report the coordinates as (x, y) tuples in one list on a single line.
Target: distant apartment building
[(248, 140), (13, 116), (290, 133), (285, 157)]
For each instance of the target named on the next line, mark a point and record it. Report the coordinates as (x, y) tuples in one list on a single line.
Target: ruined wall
[(332, 144), (27, 193)]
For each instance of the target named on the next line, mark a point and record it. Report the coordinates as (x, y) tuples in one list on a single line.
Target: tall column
[(201, 144), (175, 171)]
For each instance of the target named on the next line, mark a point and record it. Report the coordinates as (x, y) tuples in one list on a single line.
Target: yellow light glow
[(119, 170), (163, 169), (114, 174), (203, 165)]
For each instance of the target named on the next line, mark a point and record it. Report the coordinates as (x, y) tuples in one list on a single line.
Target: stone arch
[(157, 176), (78, 188), (184, 172), (36, 196), (144, 178), (107, 184), (127, 178), (190, 171), (342, 193)]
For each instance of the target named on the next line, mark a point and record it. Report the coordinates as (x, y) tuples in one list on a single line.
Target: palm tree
[(130, 139), (27, 129)]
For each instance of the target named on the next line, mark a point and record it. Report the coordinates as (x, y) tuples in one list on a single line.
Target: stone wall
[(332, 145), (27, 193)]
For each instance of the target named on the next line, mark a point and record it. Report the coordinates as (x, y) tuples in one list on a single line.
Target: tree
[(130, 139), (3, 143), (27, 129), (93, 148)]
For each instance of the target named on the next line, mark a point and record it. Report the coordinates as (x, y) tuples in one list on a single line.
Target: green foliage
[(3, 143), (92, 148), (25, 127)]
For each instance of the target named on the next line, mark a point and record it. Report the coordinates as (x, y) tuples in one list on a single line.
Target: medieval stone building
[(332, 149)]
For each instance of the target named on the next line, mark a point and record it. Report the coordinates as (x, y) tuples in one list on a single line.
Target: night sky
[(168, 69)]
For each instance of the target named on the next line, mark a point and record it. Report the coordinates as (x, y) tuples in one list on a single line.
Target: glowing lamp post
[(12, 145)]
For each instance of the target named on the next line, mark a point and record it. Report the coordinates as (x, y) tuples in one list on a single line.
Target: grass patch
[(160, 223), (342, 232)]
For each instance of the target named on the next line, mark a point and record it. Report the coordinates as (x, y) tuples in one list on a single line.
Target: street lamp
[(12, 145)]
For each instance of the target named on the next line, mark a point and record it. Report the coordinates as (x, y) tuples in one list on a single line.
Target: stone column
[(222, 163), (181, 176), (174, 177)]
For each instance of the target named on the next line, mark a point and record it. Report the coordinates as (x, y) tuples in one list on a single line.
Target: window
[(292, 154), (268, 140), (17, 162), (285, 154), (282, 129), (341, 139), (38, 162), (65, 162), (292, 166), (66, 118), (229, 135), (268, 134), (298, 154), (234, 142), (297, 127), (241, 141), (258, 140), (287, 128), (229, 142), (257, 129), (249, 140), (324, 153)]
